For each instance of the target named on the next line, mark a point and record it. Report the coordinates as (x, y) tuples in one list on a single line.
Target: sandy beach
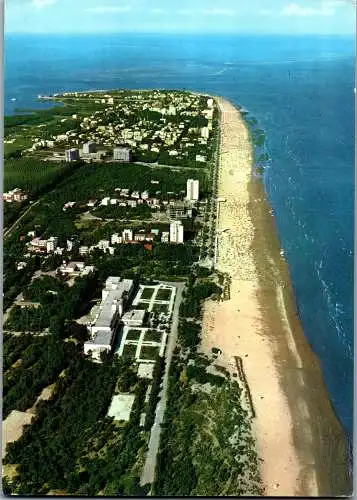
[(300, 441)]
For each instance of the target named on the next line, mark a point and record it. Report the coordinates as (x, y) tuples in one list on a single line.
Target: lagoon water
[(301, 91)]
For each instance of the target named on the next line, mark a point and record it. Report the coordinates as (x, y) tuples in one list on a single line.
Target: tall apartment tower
[(176, 232), (193, 190)]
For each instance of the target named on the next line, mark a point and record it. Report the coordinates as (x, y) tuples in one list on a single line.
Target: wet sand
[(300, 441)]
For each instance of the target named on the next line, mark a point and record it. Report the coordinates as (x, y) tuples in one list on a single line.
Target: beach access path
[(299, 441)]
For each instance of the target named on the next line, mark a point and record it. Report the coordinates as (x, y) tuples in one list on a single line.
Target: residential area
[(108, 257)]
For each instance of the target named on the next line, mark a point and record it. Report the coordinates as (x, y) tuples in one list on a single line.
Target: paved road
[(161, 165), (148, 473), (8, 231)]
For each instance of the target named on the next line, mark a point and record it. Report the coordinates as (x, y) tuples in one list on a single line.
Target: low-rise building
[(92, 203), (178, 210), (134, 318), (103, 244), (16, 194), (75, 268), (115, 239), (165, 237), (127, 235), (144, 195), (139, 237), (105, 201)]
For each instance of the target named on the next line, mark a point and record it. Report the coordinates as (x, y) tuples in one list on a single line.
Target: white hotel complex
[(115, 298)]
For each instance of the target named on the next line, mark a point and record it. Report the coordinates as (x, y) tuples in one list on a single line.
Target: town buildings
[(176, 232), (16, 194), (75, 268), (193, 190)]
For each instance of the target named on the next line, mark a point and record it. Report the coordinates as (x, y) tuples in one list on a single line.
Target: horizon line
[(181, 33)]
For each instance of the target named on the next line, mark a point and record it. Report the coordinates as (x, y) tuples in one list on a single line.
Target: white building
[(105, 201), (144, 195), (75, 268), (115, 297), (193, 190), (127, 235), (205, 132), (89, 147), (103, 244), (210, 103), (15, 195), (115, 239), (71, 154), (51, 244), (122, 154), (134, 318), (165, 237), (176, 232)]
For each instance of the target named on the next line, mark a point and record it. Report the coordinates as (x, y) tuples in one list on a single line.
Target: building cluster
[(150, 121), (117, 297), (75, 269), (128, 236), (16, 194), (175, 209), (89, 152), (40, 245)]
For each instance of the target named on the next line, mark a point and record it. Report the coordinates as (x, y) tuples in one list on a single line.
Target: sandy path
[(293, 424)]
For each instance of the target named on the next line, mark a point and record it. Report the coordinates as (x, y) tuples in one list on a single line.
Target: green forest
[(73, 446)]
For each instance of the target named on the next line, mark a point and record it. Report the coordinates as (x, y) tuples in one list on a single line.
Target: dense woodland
[(72, 446), (58, 303)]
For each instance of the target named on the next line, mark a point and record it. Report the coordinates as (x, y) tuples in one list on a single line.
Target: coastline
[(301, 443)]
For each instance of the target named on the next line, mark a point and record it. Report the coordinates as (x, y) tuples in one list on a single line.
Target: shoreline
[(300, 441)]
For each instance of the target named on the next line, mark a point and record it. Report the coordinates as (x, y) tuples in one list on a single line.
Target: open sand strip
[(299, 439)]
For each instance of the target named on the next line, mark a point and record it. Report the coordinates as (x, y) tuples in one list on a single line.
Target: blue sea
[(301, 91)]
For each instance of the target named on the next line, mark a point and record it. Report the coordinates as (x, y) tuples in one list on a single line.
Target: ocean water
[(301, 91)]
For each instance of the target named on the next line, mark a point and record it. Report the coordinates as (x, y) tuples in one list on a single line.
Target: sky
[(183, 16)]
